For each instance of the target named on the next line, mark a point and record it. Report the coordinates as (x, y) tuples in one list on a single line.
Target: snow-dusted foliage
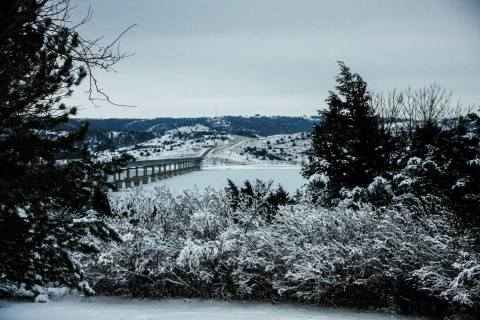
[(195, 244), (57, 257)]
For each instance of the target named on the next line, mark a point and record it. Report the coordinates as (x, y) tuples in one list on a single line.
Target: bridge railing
[(146, 171)]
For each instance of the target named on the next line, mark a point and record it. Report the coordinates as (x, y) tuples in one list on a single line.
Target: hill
[(111, 134)]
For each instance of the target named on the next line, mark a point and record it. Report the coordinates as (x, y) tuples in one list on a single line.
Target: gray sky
[(278, 57)]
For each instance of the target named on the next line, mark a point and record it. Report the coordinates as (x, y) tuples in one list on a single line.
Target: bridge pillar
[(153, 176), (145, 175), (159, 173), (127, 179), (136, 182)]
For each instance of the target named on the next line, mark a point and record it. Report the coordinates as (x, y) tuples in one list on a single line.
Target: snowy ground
[(101, 308)]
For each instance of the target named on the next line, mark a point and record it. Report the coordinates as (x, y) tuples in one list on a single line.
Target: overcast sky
[(278, 57)]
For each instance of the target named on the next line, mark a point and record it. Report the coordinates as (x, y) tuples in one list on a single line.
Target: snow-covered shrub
[(380, 191), (193, 255), (194, 244), (362, 257), (205, 224), (458, 283)]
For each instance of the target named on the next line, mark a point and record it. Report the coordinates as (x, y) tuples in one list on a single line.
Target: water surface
[(288, 176)]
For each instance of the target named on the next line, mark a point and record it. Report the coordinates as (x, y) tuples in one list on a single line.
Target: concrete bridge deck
[(145, 171)]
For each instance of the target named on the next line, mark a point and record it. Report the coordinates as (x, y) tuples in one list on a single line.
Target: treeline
[(413, 147), (246, 126)]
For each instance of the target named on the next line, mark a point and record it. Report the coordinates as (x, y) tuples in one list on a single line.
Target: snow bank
[(102, 308)]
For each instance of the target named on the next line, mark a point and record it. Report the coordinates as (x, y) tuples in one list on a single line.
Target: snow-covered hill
[(219, 148), (275, 149), (186, 141)]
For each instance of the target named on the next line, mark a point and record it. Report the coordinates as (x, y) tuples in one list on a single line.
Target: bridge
[(145, 171), (142, 172)]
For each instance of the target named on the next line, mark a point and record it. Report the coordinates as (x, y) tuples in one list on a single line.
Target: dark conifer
[(349, 145), (49, 211), (233, 194)]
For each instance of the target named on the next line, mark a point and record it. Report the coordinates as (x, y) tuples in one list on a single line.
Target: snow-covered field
[(102, 308), (216, 177)]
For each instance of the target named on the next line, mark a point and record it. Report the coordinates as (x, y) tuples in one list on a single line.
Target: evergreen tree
[(349, 146), (233, 194), (463, 169), (281, 195), (444, 165), (247, 191), (48, 211), (276, 198), (425, 137)]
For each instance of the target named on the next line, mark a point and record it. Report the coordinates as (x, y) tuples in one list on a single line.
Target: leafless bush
[(404, 110)]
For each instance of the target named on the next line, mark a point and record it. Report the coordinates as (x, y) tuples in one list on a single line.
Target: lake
[(216, 177)]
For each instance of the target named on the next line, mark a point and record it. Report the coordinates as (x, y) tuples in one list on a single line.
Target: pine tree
[(48, 211), (282, 196), (450, 168), (464, 169), (233, 194), (349, 146)]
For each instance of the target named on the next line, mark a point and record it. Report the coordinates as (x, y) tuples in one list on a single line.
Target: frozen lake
[(101, 308), (288, 176)]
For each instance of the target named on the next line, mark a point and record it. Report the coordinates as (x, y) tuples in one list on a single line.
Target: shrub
[(195, 244)]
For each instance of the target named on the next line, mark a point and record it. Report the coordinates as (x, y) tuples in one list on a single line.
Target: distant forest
[(249, 126)]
